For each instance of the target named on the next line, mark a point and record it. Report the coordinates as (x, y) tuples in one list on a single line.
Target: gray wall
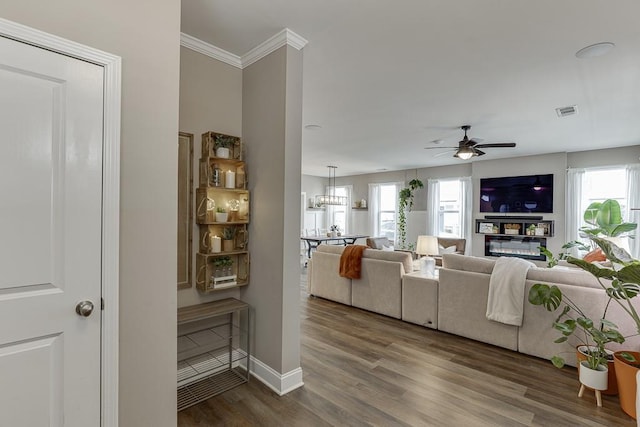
[(272, 96), (146, 35), (210, 100)]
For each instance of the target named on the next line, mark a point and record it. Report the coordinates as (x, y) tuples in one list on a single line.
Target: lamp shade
[(427, 245)]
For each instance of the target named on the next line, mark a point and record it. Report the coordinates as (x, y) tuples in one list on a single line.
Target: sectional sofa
[(456, 302)]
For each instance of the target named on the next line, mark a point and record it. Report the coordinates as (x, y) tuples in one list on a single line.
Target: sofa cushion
[(468, 263), (397, 256), (378, 242)]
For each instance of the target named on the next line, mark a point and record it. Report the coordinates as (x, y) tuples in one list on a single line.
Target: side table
[(420, 299)]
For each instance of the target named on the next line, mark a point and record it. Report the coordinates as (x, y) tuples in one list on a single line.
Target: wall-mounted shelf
[(515, 227), (223, 236), (359, 209)]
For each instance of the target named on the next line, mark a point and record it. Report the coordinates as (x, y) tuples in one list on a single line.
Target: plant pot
[(227, 245), (594, 378), (612, 389), (222, 152), (221, 216), (627, 384)]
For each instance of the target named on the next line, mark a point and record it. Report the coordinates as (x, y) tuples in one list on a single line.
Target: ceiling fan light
[(465, 153)]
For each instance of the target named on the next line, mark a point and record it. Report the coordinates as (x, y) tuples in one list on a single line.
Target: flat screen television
[(517, 194)]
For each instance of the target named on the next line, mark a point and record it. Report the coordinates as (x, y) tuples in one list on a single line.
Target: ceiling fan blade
[(497, 145), (444, 153), (479, 152), (431, 148), (476, 140)]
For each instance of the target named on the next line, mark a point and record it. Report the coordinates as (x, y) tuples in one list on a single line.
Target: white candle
[(230, 179), (216, 244)]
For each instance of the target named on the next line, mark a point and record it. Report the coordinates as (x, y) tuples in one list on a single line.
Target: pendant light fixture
[(330, 197)]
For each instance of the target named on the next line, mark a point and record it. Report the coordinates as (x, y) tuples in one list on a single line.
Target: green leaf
[(608, 324), (548, 296), (628, 357), (630, 273), (619, 229), (612, 251), (561, 340), (609, 213), (597, 271), (620, 290), (557, 361), (591, 213), (585, 322)]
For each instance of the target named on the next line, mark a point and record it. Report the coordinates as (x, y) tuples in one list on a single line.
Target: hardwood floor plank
[(363, 369)]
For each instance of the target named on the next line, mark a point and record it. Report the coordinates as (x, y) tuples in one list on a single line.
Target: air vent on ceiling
[(567, 111)]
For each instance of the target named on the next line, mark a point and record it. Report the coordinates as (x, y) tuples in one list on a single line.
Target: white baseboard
[(279, 383)]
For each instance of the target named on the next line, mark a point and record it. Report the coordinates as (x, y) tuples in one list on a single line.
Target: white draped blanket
[(506, 290)]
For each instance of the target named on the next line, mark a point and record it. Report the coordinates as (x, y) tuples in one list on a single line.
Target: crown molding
[(284, 37), (210, 50)]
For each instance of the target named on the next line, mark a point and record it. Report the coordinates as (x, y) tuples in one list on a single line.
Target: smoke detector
[(567, 111)]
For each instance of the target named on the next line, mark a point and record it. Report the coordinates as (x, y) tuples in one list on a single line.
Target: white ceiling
[(384, 78)]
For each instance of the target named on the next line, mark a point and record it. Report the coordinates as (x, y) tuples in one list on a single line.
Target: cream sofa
[(462, 294), (379, 288)]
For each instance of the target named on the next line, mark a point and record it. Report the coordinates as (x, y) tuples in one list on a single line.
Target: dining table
[(312, 242)]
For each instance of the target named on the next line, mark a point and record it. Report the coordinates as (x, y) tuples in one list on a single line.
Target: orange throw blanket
[(351, 261)]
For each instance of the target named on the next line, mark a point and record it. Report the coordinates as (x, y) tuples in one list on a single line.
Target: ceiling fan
[(468, 148)]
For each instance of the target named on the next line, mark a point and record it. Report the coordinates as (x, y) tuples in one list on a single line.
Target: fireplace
[(527, 247)]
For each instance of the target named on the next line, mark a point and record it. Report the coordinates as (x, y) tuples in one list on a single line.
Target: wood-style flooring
[(363, 369)]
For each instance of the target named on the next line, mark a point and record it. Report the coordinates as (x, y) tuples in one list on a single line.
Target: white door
[(51, 118)]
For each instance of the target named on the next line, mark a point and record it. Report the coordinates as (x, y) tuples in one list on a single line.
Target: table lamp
[(427, 245)]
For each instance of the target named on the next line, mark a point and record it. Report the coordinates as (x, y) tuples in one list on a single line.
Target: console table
[(312, 242), (213, 349)]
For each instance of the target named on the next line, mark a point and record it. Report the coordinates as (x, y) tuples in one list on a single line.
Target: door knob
[(84, 308)]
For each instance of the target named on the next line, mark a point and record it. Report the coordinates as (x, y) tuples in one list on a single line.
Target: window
[(339, 215), (602, 184), (585, 186), (449, 208), (383, 210)]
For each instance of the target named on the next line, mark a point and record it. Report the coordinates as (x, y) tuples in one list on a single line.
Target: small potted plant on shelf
[(222, 144), (222, 266), (221, 214), (228, 235)]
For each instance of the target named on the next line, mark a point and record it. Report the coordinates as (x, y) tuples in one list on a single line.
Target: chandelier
[(330, 198)]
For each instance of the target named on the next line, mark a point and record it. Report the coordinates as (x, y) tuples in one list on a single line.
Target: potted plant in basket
[(222, 144)]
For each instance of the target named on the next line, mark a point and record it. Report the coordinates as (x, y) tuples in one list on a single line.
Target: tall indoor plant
[(623, 288), (406, 203)]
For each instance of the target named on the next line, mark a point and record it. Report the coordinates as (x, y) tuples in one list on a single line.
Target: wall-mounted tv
[(517, 194)]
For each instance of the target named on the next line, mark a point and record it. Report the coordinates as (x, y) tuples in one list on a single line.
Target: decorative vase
[(227, 245), (334, 234), (222, 152), (594, 378), (627, 384), (221, 216), (612, 388)]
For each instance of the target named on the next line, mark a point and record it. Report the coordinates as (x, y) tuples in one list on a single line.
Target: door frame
[(110, 199)]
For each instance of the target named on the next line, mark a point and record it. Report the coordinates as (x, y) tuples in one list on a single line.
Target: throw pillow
[(387, 248), (448, 250)]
